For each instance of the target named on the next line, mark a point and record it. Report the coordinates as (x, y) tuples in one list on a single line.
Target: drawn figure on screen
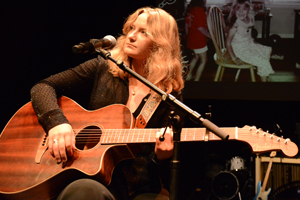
[(241, 46), (196, 32)]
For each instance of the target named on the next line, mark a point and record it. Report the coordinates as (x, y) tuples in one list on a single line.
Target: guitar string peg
[(278, 139), (287, 140), (257, 131), (272, 136)]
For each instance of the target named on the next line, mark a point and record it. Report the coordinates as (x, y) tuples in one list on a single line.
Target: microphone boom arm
[(170, 99)]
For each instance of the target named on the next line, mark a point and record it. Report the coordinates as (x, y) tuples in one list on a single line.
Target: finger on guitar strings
[(70, 144), (62, 151)]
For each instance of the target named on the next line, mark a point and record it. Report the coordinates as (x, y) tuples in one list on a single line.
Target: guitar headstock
[(262, 141)]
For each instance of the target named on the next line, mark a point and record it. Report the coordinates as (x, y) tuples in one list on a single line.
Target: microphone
[(91, 46)]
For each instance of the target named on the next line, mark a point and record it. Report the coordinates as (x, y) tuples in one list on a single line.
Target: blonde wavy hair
[(163, 67)]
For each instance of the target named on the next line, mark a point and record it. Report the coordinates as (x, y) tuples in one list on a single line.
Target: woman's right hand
[(237, 61), (61, 141)]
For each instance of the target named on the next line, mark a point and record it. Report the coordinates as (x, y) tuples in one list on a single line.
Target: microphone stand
[(177, 126)]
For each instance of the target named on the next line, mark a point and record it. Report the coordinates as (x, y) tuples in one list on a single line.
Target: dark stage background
[(36, 41)]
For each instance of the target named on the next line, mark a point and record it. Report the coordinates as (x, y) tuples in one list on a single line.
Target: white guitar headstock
[(263, 141)]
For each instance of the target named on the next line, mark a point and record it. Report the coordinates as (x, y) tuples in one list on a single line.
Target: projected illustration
[(234, 41)]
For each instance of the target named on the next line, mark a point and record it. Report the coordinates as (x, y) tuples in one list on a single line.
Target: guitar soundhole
[(88, 137)]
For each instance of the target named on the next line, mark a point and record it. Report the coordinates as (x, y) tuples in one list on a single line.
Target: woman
[(150, 46)]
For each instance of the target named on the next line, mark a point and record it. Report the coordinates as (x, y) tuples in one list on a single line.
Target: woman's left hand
[(164, 149)]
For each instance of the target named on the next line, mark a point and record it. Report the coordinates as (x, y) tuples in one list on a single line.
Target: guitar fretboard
[(117, 136)]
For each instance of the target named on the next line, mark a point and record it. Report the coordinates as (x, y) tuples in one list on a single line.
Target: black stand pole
[(171, 100), (175, 162)]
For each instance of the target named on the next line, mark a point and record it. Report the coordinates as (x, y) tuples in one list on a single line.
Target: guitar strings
[(120, 135), (112, 135)]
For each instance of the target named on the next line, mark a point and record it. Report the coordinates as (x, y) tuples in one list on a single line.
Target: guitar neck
[(259, 140), (114, 136)]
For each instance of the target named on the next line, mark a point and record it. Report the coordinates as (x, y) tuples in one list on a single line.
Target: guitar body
[(27, 169), (262, 195)]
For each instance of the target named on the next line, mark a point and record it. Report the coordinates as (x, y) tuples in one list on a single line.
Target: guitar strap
[(148, 110)]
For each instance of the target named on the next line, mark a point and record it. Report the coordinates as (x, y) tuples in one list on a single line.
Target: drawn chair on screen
[(216, 26)]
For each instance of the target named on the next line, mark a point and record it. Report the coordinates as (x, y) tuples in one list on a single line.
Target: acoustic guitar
[(104, 137), (262, 194)]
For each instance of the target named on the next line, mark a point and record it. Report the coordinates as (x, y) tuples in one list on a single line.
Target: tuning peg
[(287, 140), (251, 128), (278, 139), (265, 133), (257, 131), (272, 136)]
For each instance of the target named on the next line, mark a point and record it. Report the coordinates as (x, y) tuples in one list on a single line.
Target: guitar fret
[(102, 136), (186, 135), (123, 135), (154, 135), (107, 134), (132, 135), (110, 136), (115, 132), (143, 137), (137, 139), (194, 135), (119, 136), (149, 138), (127, 138)]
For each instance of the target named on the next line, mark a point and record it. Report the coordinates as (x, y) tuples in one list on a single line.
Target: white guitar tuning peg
[(257, 131), (272, 136), (287, 140), (252, 128), (278, 139), (265, 133)]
